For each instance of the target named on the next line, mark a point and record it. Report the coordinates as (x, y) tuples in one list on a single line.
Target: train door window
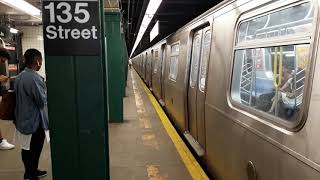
[(147, 62), (143, 61), (156, 62), (163, 59), (195, 60), (270, 78), (204, 60), (174, 57)]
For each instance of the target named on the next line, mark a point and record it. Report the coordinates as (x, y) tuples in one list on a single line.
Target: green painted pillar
[(77, 101), (125, 60), (116, 72)]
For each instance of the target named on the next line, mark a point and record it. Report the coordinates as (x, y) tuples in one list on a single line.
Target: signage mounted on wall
[(71, 27)]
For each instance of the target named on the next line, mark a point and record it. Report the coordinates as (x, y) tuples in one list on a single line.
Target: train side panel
[(238, 140), (239, 143), (174, 87), (157, 72)]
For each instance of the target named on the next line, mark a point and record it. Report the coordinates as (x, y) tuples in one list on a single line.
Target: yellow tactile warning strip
[(189, 160)]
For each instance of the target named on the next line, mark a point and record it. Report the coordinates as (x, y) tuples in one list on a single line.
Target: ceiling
[(9, 15), (172, 14), (14, 17)]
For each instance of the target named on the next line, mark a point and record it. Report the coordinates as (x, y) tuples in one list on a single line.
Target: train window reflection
[(195, 60), (204, 60), (143, 63), (173, 71), (272, 79), (156, 62), (293, 20)]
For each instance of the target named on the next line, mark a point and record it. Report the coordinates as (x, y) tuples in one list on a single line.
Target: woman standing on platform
[(31, 114)]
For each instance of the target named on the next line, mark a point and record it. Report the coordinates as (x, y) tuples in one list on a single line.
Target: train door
[(145, 67), (152, 60), (148, 69), (140, 64), (142, 67), (197, 80), (162, 68)]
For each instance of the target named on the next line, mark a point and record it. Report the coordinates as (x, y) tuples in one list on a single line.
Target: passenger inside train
[(264, 79), (285, 92)]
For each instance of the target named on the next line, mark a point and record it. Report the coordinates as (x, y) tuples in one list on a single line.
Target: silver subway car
[(242, 83)]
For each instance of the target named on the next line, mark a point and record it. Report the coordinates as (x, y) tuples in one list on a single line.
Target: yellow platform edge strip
[(187, 157)]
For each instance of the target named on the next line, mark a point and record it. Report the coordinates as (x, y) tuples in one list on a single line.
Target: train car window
[(156, 62), (195, 60), (140, 61), (291, 21), (271, 79), (174, 57), (267, 77), (143, 62), (204, 60)]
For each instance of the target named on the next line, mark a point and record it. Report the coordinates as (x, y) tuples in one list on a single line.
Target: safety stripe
[(188, 159)]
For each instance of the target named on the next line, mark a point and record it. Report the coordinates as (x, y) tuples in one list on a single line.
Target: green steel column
[(122, 63), (125, 60), (77, 97), (106, 86), (115, 66)]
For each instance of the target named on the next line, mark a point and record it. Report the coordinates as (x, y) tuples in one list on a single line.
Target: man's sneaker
[(4, 145), (41, 174)]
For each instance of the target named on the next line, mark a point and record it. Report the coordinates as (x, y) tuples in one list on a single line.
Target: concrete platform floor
[(140, 148), (11, 167)]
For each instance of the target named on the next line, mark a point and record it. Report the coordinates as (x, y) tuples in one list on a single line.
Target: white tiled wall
[(33, 38)]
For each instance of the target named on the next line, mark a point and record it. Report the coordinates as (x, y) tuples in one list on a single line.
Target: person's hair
[(4, 53), (31, 56)]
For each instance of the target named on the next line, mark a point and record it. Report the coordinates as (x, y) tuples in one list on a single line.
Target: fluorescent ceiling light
[(23, 6), (151, 10), (155, 31), (13, 30)]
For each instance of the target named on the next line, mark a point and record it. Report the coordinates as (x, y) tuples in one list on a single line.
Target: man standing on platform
[(31, 115)]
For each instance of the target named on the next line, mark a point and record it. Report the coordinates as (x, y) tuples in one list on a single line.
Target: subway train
[(241, 83)]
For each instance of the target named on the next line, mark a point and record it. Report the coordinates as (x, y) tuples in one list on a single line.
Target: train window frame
[(270, 12), (176, 55), (156, 61), (194, 73), (201, 60), (307, 38), (163, 57)]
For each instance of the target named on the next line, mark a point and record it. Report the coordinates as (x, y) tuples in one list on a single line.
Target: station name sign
[(71, 27)]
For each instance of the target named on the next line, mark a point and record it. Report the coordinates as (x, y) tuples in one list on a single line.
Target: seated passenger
[(290, 95), (286, 89)]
